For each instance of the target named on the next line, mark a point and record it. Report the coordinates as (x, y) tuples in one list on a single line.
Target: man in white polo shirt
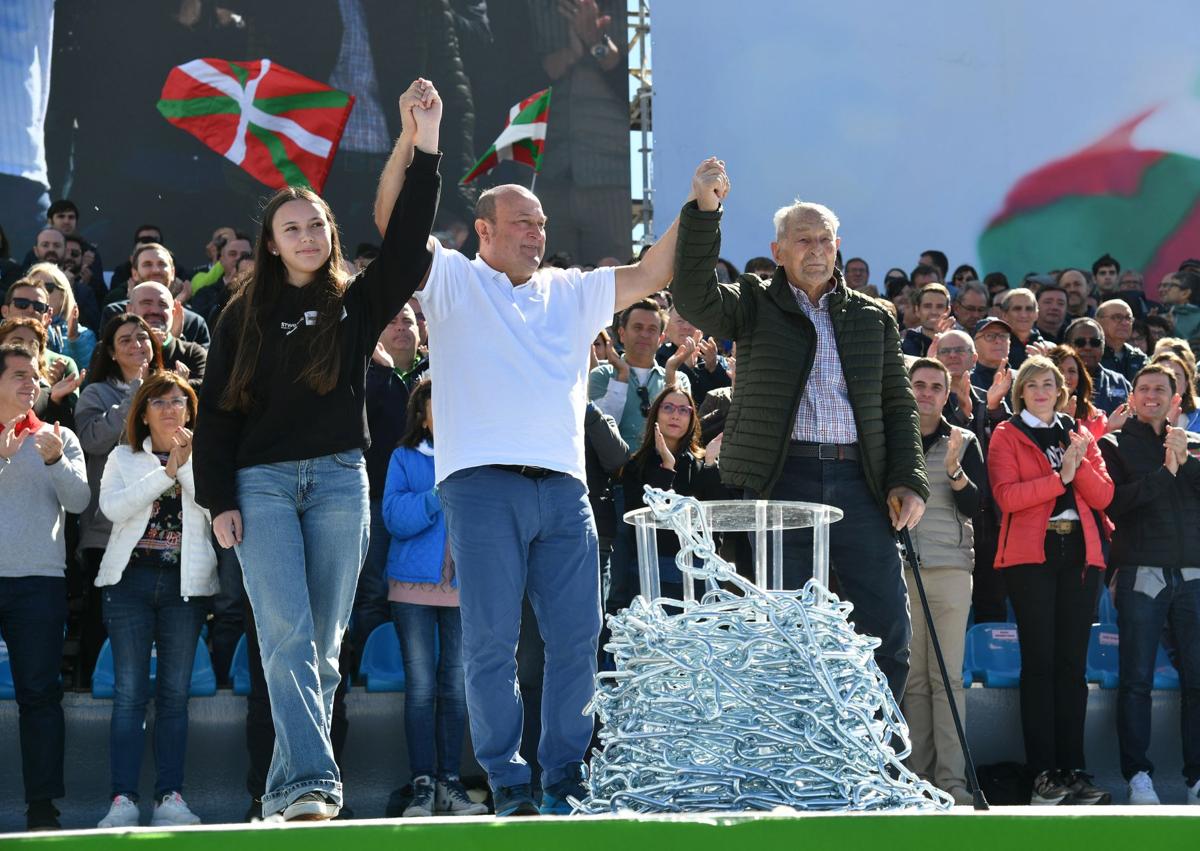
[(509, 359)]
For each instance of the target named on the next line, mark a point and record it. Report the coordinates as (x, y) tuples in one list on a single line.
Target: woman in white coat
[(157, 574)]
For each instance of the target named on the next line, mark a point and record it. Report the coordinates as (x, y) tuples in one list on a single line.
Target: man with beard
[(154, 303)]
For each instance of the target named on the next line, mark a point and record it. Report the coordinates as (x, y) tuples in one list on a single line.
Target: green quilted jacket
[(775, 349)]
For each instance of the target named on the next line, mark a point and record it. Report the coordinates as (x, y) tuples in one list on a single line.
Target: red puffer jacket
[(1026, 488)]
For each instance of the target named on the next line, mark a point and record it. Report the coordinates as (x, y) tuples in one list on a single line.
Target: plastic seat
[(382, 665), (239, 668), (7, 690), (1103, 655), (1108, 612), (993, 655), (204, 679)]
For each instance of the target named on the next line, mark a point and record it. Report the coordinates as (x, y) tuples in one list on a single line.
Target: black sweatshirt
[(289, 421)]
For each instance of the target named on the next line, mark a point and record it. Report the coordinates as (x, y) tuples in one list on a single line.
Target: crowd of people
[(303, 445)]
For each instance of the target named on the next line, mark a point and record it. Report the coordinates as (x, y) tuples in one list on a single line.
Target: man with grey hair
[(822, 410), (1116, 318), (970, 305)]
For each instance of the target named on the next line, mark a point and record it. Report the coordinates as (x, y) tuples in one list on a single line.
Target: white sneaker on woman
[(172, 811), (122, 813)]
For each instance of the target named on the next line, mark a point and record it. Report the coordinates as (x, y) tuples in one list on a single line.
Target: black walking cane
[(910, 553)]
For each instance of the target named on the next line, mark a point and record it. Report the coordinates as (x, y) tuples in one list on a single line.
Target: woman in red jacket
[(1049, 480)]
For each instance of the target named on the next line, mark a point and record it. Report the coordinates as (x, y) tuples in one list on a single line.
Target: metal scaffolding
[(640, 115)]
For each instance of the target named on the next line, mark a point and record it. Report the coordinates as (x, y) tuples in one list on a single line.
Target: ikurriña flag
[(280, 126), (1134, 194), (523, 137)]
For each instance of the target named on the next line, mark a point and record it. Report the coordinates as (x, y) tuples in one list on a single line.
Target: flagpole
[(533, 181)]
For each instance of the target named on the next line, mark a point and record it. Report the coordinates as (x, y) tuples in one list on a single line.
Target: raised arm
[(653, 272), (420, 120)]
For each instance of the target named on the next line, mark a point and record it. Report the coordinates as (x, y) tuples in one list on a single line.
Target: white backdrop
[(911, 120)]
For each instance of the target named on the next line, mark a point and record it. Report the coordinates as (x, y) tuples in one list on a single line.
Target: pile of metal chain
[(751, 700)]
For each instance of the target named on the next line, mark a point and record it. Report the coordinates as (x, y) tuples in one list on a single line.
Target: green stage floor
[(1009, 829)]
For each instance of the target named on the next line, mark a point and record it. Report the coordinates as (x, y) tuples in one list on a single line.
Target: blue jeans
[(431, 644), (33, 611), (142, 610), (862, 556), (305, 526), (1140, 619), (510, 534)]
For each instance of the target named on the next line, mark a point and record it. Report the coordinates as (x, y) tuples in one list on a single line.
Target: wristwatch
[(600, 50), (956, 475)]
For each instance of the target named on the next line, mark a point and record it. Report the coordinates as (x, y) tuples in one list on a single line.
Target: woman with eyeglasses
[(126, 354), (67, 335), (158, 574), (670, 457)]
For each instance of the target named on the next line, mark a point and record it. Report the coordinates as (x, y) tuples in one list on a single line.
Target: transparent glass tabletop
[(764, 519)]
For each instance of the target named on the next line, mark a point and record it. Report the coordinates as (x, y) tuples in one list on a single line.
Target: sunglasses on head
[(26, 303), (644, 395), (1087, 342)]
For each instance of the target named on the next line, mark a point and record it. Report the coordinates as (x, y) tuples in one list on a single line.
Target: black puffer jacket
[(1157, 515)]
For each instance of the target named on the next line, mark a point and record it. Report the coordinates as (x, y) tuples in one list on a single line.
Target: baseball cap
[(990, 320)]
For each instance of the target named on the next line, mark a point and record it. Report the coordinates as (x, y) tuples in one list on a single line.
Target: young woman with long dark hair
[(280, 439)]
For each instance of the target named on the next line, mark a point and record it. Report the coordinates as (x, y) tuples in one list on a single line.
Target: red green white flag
[(280, 126), (1133, 194), (523, 137)]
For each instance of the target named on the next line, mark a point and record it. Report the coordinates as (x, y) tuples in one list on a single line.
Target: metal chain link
[(746, 700)]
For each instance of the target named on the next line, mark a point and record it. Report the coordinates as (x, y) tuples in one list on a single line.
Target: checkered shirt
[(825, 414)]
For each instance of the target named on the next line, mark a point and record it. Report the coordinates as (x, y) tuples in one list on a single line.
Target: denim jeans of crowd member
[(1053, 603), (435, 701), (371, 596), (33, 612), (508, 533), (142, 611), (862, 556), (1143, 608), (305, 527)]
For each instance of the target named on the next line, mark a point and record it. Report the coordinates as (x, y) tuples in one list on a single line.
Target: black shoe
[(254, 811), (1083, 790), (554, 796), (42, 815), (1050, 789), (515, 801)]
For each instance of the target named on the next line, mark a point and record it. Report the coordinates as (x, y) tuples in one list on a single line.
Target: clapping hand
[(953, 450), (181, 450), (710, 184), (10, 441), (708, 351), (55, 371), (1119, 416), (962, 392), (1001, 383), (64, 387), (49, 444), (1175, 447), (615, 360), (684, 353), (665, 456), (1074, 455)]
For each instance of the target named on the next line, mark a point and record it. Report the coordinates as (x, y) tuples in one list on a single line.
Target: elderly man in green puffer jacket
[(822, 411)]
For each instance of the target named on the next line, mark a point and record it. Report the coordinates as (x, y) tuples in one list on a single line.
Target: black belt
[(525, 470), (824, 451)]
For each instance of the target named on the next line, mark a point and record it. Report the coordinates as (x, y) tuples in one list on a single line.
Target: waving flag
[(523, 137), (1134, 194), (280, 126)]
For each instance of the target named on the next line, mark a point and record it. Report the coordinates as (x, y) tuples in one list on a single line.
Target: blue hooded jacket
[(413, 515)]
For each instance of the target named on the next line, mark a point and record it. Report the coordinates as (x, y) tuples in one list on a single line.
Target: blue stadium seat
[(204, 679), (239, 668), (1108, 612), (382, 666), (1103, 655), (1165, 675), (7, 690), (992, 655)]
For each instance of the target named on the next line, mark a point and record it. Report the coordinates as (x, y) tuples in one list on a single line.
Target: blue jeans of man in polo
[(862, 555), (304, 535), (33, 612), (1140, 620), (143, 610), (509, 534), (435, 700)]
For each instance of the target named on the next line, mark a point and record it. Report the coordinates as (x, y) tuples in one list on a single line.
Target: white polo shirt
[(510, 364)]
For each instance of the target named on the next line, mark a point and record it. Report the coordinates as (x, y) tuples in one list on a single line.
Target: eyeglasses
[(966, 308), (26, 303), (1022, 308), (992, 338), (672, 408), (1087, 342), (953, 350), (644, 395), (177, 402)]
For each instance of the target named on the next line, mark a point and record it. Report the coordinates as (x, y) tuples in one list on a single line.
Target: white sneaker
[(1141, 790), (122, 813), (1193, 793), (172, 811), (422, 800), (452, 799)]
